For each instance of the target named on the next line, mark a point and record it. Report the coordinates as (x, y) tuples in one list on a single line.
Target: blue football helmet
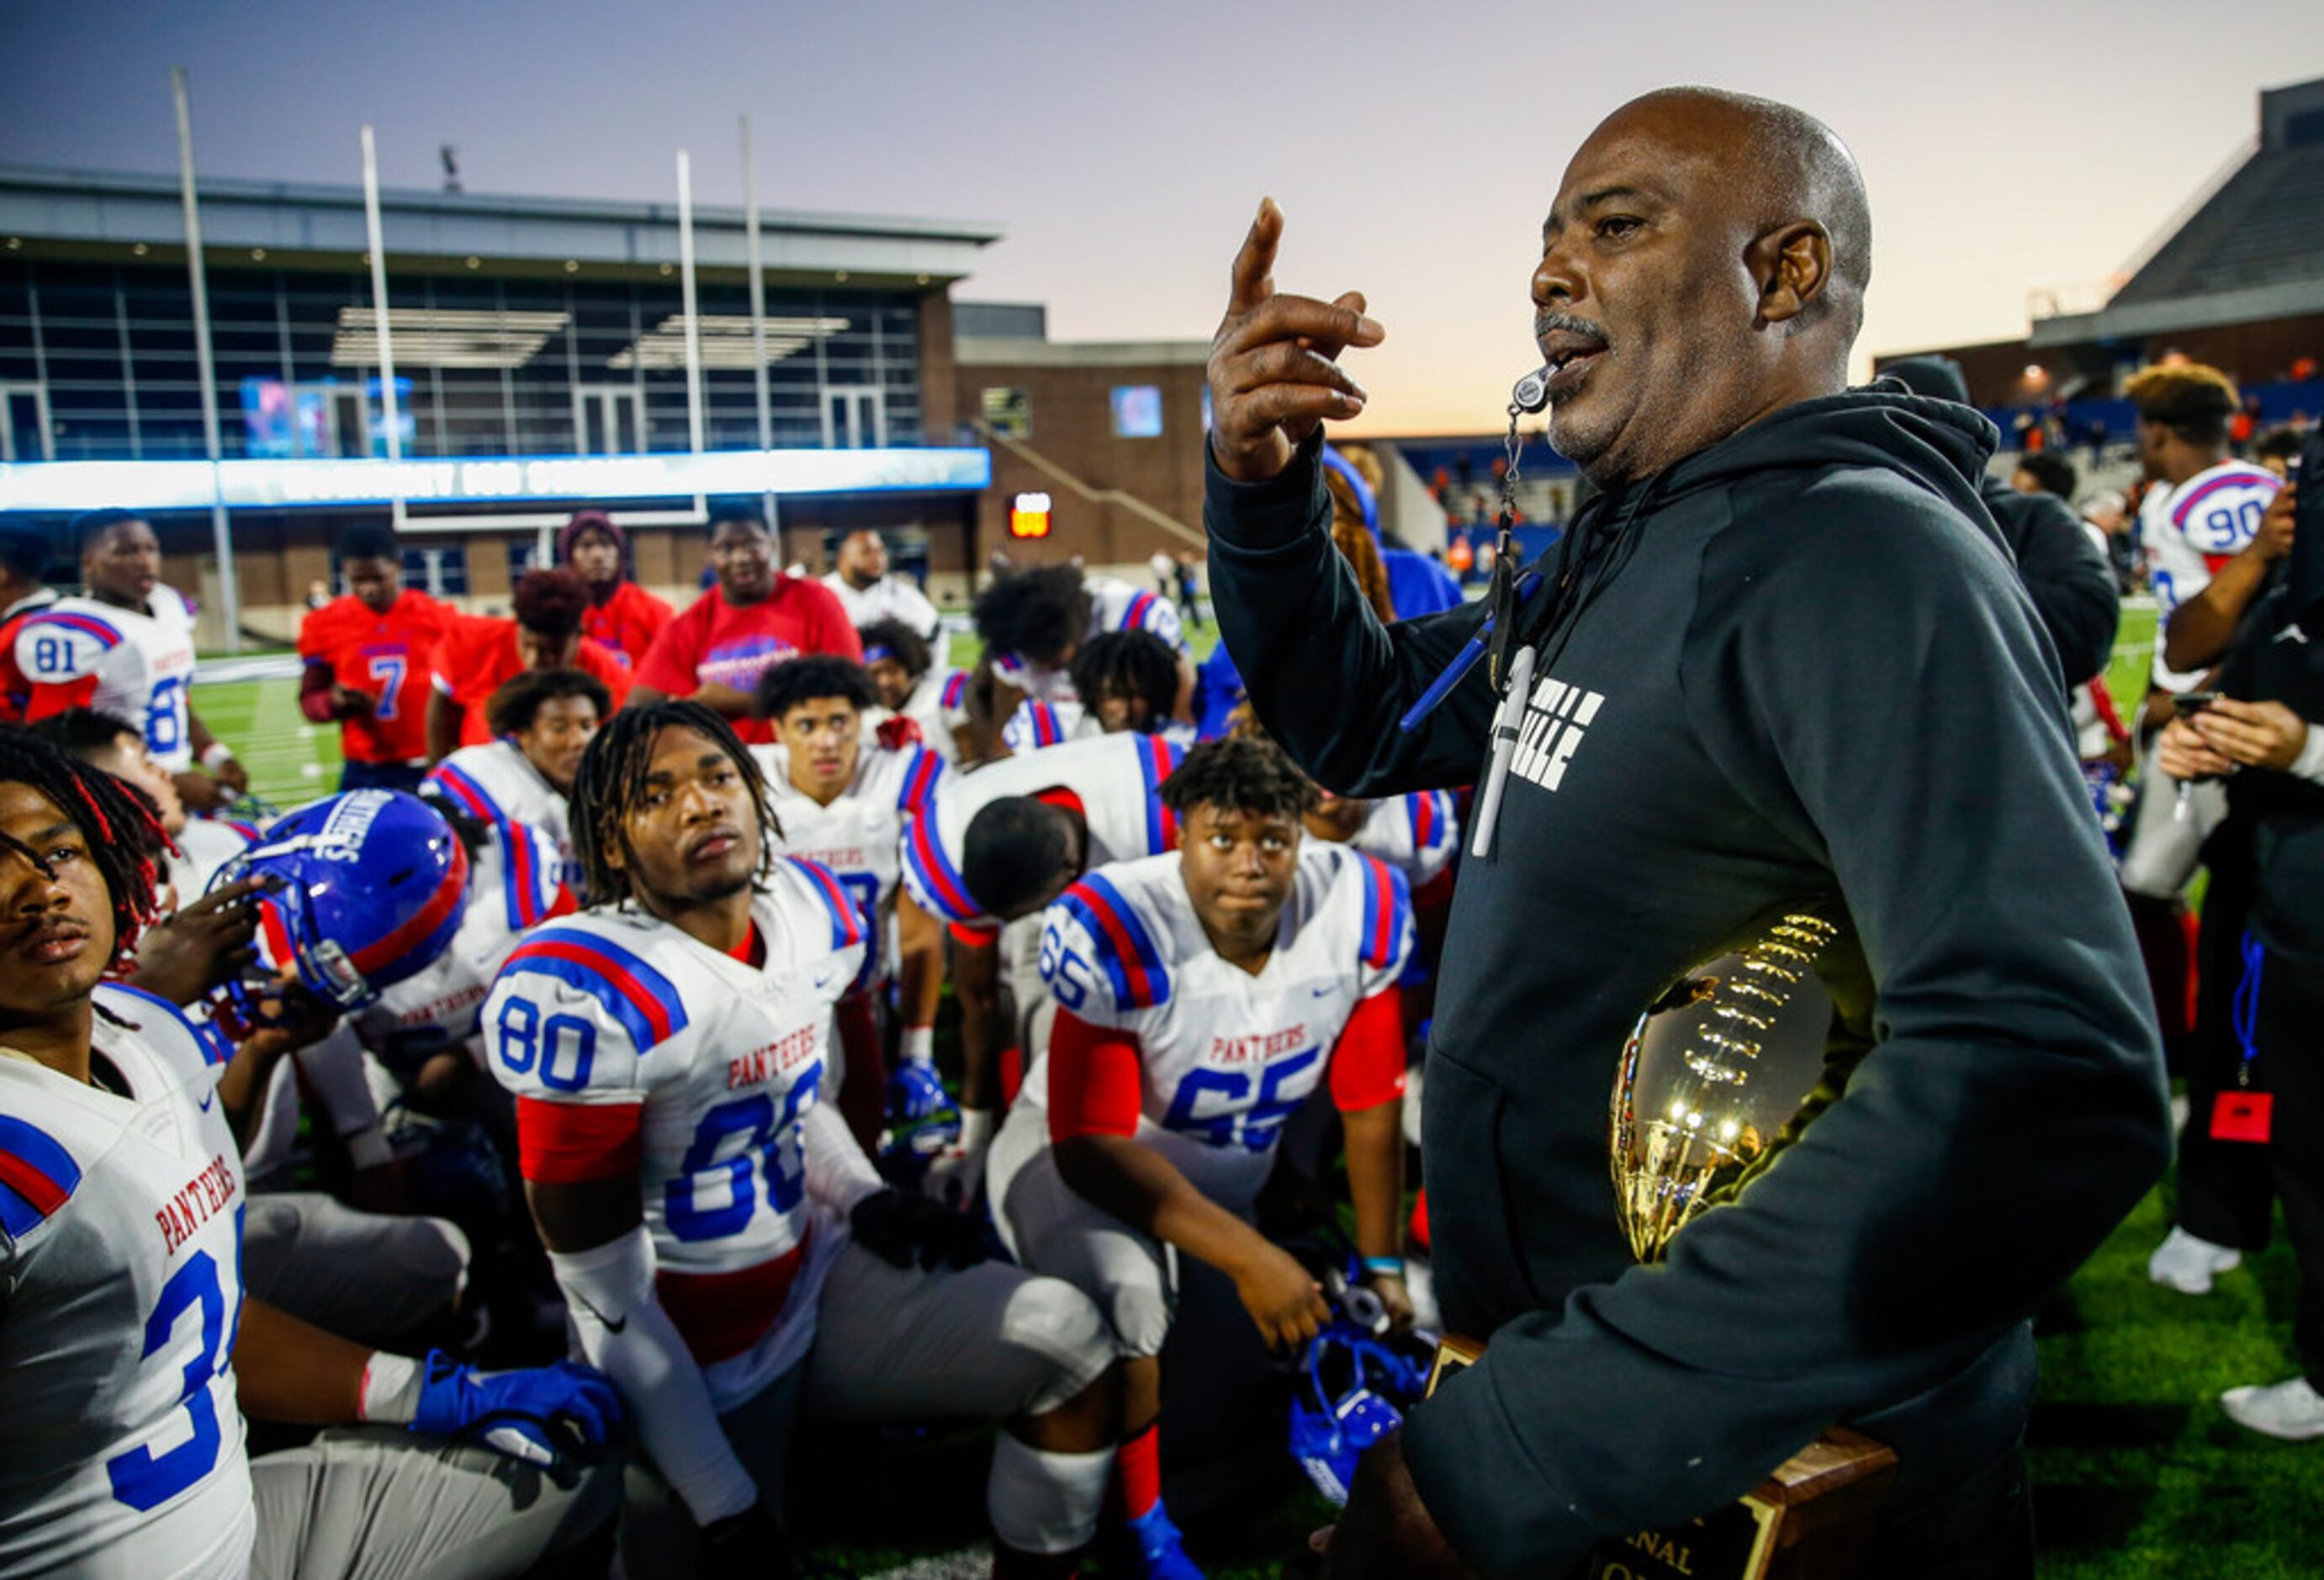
[(1341, 1406), (370, 887)]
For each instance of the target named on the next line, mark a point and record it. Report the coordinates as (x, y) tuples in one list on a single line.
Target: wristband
[(391, 1390), (1384, 1266), (976, 1128), (919, 1045), (217, 756)]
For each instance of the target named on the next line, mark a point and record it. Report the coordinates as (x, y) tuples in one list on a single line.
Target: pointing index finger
[(1254, 265)]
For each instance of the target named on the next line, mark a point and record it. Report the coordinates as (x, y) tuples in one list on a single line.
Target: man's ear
[(1791, 265)]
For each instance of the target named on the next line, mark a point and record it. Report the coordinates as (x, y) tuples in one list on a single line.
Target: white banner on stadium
[(77, 485)]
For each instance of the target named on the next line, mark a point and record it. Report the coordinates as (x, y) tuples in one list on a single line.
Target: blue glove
[(519, 1413), (920, 1112)]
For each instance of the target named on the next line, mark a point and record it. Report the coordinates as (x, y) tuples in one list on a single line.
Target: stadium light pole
[(693, 322), (758, 313), (387, 398), (197, 281)]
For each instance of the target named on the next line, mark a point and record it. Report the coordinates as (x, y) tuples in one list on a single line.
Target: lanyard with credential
[(2239, 1113)]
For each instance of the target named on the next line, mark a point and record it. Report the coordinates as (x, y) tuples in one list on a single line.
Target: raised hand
[(1272, 372)]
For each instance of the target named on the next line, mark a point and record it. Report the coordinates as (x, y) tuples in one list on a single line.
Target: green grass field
[(2137, 1473)]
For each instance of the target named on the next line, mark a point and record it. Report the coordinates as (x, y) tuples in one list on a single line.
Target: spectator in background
[(2046, 473), (2267, 730), (754, 616), (861, 583), (2063, 572), (481, 655), (1188, 586), (371, 664), (621, 614), (1417, 585), (2275, 449)]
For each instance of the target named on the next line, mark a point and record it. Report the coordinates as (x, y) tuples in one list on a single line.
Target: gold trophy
[(1716, 1070)]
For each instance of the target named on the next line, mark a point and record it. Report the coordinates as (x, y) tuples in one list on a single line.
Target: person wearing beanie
[(621, 614)]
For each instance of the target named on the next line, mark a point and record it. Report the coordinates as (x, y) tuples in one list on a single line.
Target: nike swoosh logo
[(609, 1324), (1327, 987)]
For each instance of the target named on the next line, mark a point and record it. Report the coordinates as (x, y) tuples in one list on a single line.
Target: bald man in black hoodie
[(1784, 662)]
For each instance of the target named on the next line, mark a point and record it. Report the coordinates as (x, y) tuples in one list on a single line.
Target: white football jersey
[(204, 846), (860, 837), (2190, 530), (1114, 781), (1224, 1057), (121, 1445), (891, 598), (134, 666), (1115, 604), (1036, 724), (1416, 834), (497, 784), (622, 1036)]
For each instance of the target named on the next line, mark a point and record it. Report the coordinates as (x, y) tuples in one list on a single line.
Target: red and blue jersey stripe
[(919, 783), (642, 999), (106, 633), (1431, 818), (37, 1176), (1124, 946), (849, 926), (1388, 911), (956, 688), (2241, 477), (522, 869), (1157, 759), (1048, 729), (207, 1035), (1133, 618), (934, 874)]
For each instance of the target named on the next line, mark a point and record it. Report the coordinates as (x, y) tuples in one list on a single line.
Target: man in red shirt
[(371, 664), (755, 616), (622, 614), (482, 654)]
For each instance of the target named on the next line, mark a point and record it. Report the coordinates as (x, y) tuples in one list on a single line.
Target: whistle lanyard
[(2247, 1010), (1509, 591)]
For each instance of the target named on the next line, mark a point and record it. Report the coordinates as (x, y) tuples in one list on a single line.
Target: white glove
[(958, 1171)]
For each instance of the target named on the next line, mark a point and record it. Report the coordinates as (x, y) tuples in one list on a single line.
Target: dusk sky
[(1414, 148)]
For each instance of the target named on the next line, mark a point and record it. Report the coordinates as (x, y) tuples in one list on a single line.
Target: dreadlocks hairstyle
[(1128, 663), (550, 603), (519, 701), (1242, 774), (613, 777), (783, 687), (903, 645), (2194, 401), (123, 832), (1034, 612)]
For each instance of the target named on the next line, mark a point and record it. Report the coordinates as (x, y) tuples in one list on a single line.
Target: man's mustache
[(1571, 323)]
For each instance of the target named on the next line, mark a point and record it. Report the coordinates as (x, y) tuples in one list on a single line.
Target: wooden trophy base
[(1811, 1519)]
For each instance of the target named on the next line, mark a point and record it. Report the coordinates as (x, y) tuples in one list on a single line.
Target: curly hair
[(1128, 663), (612, 779), (1034, 612), (550, 602), (117, 823), (511, 709), (1242, 774), (2194, 401), (904, 645), (783, 687)]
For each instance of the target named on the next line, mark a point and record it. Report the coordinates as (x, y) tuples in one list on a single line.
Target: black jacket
[(2065, 573), (1807, 674)]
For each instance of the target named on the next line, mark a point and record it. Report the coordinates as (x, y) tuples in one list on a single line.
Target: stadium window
[(442, 573), (1137, 412), (1008, 411)]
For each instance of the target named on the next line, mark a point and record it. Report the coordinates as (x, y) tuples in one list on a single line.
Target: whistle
[(1531, 393)]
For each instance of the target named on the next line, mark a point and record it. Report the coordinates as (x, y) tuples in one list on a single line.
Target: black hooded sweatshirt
[(1805, 674)]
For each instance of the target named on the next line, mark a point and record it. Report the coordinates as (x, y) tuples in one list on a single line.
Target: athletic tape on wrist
[(391, 1390)]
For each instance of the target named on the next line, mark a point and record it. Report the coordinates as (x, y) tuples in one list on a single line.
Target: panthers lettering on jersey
[(80, 653), (497, 784), (1159, 1038), (632, 1049), (120, 1454), (2190, 530), (1114, 781), (1416, 834), (860, 835)]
